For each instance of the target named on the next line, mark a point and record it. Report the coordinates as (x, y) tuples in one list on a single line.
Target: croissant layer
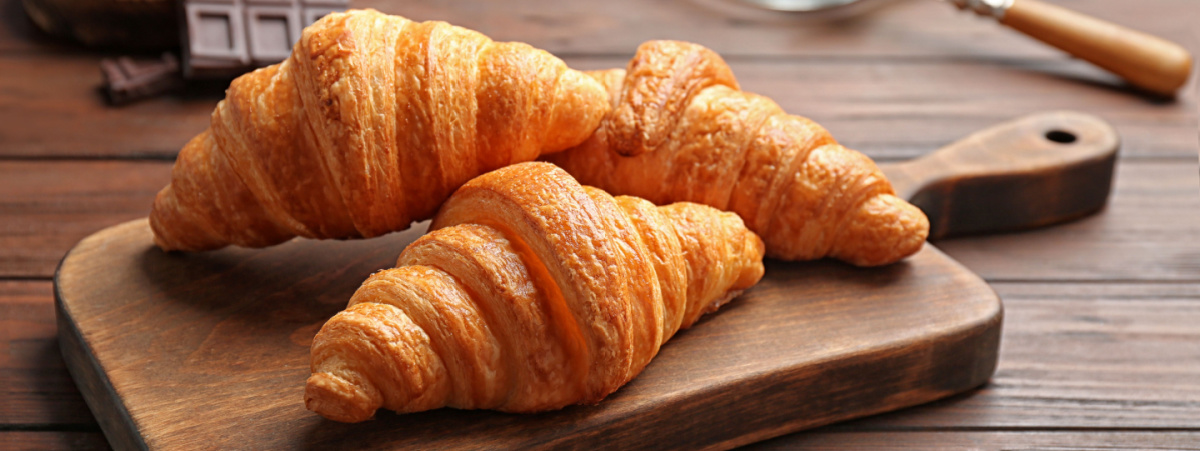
[(370, 124), (531, 293), (680, 129)]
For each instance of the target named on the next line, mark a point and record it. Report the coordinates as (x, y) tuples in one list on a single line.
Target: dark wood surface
[(1031, 172), (182, 351), (1099, 343)]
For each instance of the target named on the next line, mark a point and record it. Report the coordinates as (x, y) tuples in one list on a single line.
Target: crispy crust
[(532, 293), (685, 132), (370, 124)]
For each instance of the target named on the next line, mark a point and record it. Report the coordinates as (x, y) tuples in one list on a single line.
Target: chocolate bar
[(127, 79), (225, 38)]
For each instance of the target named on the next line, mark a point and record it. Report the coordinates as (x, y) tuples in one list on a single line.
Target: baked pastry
[(532, 293), (368, 126), (681, 130)]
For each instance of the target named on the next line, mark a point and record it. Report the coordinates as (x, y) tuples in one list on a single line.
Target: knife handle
[(1034, 171), (1146, 61), (1151, 63)]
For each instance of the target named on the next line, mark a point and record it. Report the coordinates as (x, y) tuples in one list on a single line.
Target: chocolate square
[(272, 30), (127, 79), (216, 31), (225, 38)]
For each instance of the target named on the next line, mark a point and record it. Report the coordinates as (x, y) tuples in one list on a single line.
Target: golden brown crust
[(807, 196), (531, 293), (368, 126), (660, 84)]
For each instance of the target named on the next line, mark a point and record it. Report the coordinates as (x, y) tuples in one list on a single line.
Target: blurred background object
[(221, 39), (802, 5), (127, 79), (225, 38), (130, 25), (216, 39), (1153, 64)]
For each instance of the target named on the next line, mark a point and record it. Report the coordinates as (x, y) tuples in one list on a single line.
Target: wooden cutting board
[(210, 350)]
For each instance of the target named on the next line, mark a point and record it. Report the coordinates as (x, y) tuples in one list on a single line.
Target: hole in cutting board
[(1060, 136)]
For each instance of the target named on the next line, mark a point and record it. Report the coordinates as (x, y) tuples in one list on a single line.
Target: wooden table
[(1101, 344)]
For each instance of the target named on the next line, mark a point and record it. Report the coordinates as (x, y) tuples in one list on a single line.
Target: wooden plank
[(52, 440), (1097, 355), (56, 101), (1073, 355), (886, 108), (1091, 375), (885, 29), (145, 333), (37, 391), (1150, 230), (824, 439), (1012, 176), (901, 109), (891, 110), (1092, 355), (48, 206)]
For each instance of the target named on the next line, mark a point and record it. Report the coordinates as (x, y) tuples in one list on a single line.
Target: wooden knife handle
[(1034, 171), (1149, 62)]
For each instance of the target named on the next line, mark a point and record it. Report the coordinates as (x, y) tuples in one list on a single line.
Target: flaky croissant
[(532, 293), (681, 130), (368, 126)]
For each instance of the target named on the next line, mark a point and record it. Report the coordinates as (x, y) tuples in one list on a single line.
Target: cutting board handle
[(1034, 171)]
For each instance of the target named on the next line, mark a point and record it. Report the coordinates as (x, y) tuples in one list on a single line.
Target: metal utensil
[(1148, 62)]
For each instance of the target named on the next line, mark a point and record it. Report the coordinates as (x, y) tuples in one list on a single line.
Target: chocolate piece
[(272, 31), (126, 79), (225, 38)]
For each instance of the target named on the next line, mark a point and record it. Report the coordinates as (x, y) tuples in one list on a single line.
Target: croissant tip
[(884, 230), (160, 235), (337, 399)]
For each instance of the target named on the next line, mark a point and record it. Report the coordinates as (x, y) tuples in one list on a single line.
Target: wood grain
[(896, 28), (987, 440), (52, 440), (899, 28), (1148, 232), (1149, 222), (211, 349), (1063, 350), (1031, 172), (37, 389), (893, 111), (62, 112), (1074, 357), (1098, 355), (896, 83), (880, 107), (49, 206)]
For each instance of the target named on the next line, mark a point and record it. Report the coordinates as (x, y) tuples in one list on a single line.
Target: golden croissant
[(532, 293), (681, 130), (368, 126)]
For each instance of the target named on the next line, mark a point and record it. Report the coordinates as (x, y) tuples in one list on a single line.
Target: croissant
[(681, 130), (532, 293), (369, 125)]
